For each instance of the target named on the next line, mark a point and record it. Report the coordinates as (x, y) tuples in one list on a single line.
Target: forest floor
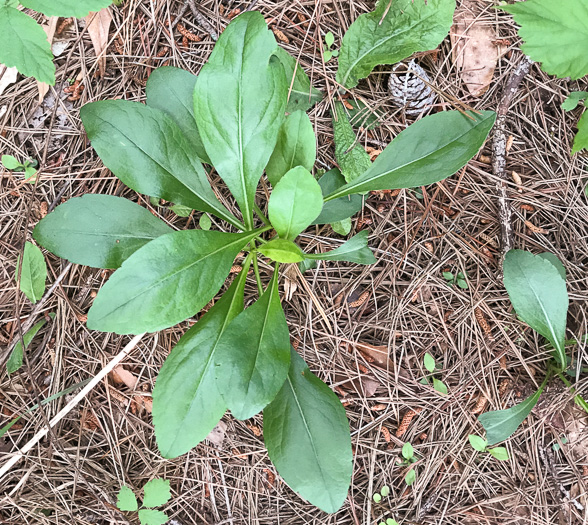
[(402, 304)]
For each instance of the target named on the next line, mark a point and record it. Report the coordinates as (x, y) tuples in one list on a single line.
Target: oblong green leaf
[(393, 31), (152, 517), (581, 138), (156, 492), (16, 357), (166, 281), (253, 355), (100, 231), (170, 89), (239, 103), (295, 202), (282, 251), (307, 436), (352, 158), (147, 151), (354, 250), (477, 443), (126, 499), (539, 296), (76, 8), (296, 146), (337, 209), (428, 151), (24, 45), (186, 401), (33, 274)]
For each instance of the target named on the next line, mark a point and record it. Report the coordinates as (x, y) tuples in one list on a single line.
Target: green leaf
[(407, 451), (33, 274), (501, 424), (239, 103), (499, 453), (410, 477), (295, 202), (462, 283), (296, 146), (24, 45), (157, 492), (10, 162), (350, 154), (389, 34), (75, 8), (377, 497), (429, 362), (204, 222), (556, 262), (306, 433), (581, 138), (186, 402), (539, 296), (329, 39), (477, 443), (147, 151), (355, 250), (282, 251), (15, 360), (30, 173), (342, 227), (253, 355), (152, 517), (307, 264), (574, 98), (439, 386), (391, 521), (180, 210), (428, 151), (385, 491), (327, 55), (126, 500), (100, 231), (166, 281), (448, 276), (301, 95), (170, 89), (338, 209), (555, 34), (361, 115)]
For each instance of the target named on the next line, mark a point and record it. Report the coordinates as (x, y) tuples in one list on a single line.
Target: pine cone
[(409, 88)]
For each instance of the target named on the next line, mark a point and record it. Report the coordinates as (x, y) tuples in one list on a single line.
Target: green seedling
[(460, 279), (481, 445), (155, 493), (384, 493), (28, 168), (328, 51), (431, 367), (389, 521), (557, 446), (409, 459)]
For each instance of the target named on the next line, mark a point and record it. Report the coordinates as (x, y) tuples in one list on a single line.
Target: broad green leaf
[(499, 453), (354, 250), (15, 360), (428, 151), (350, 154), (166, 281), (338, 209), (33, 274), (329, 39), (439, 386), (410, 477), (555, 34), (100, 231), (306, 433), (180, 210), (342, 227), (407, 451), (377, 497), (10, 162), (147, 151), (126, 500), (501, 424), (301, 94), (429, 362), (539, 296), (171, 89), (24, 45), (295, 202), (239, 103), (152, 517), (296, 146), (574, 98), (581, 138), (186, 401), (385, 491), (389, 34), (156, 493), (75, 8), (548, 256), (477, 443), (204, 222), (282, 251), (253, 355)]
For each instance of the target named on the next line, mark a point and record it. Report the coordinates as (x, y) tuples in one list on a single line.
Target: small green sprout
[(431, 367), (481, 445), (557, 446), (389, 521), (28, 168), (384, 493), (459, 279), (156, 492), (409, 459), (328, 52)]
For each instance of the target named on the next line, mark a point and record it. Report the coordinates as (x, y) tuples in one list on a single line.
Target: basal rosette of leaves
[(236, 116)]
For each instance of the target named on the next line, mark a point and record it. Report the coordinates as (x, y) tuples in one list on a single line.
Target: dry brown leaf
[(7, 76), (217, 434), (50, 30), (121, 375), (377, 355), (98, 27)]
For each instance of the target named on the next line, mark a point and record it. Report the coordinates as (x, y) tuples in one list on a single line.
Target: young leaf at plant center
[(548, 256), (100, 231), (253, 355), (296, 146), (170, 89), (33, 274), (306, 433), (539, 296), (186, 402), (410, 477), (429, 362), (295, 202), (342, 227), (501, 424), (301, 94), (126, 500), (148, 152), (24, 45), (428, 151), (157, 492), (66, 8), (282, 251), (166, 281), (338, 209), (239, 103), (10, 162), (152, 517), (477, 443), (180, 210), (407, 451), (350, 154), (574, 98), (581, 138), (499, 453), (16, 357), (329, 39), (204, 222), (555, 34), (439, 386), (389, 34), (354, 250)]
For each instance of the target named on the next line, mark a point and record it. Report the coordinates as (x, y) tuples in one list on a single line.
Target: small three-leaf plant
[(28, 168), (409, 459), (328, 51), (431, 367), (155, 493), (459, 279), (384, 493), (481, 445)]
